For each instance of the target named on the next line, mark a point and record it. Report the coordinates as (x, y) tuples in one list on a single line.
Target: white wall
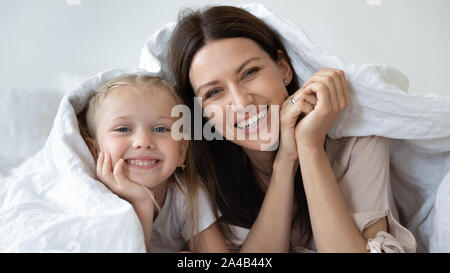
[(52, 44)]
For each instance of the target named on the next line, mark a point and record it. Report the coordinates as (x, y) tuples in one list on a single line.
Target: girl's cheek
[(171, 149), (116, 149)]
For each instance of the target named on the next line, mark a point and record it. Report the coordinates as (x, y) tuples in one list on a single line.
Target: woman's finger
[(306, 107), (323, 95), (344, 84), (306, 101), (306, 95), (300, 95), (338, 78), (297, 105), (325, 78), (311, 99)]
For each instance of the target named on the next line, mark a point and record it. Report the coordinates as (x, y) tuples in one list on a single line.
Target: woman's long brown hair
[(223, 165)]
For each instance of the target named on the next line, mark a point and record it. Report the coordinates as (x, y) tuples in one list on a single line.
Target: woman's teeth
[(252, 121), (142, 162)]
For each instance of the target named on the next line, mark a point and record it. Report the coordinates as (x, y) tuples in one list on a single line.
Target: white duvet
[(418, 126), (52, 203)]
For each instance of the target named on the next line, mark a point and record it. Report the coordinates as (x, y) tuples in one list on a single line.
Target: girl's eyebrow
[(125, 117), (170, 118), (121, 117)]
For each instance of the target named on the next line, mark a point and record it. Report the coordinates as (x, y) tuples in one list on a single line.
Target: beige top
[(361, 168)]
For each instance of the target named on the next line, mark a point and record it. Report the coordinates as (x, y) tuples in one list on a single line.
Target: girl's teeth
[(142, 162)]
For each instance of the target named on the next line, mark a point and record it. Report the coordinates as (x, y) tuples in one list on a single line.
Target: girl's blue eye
[(122, 129), (160, 130)]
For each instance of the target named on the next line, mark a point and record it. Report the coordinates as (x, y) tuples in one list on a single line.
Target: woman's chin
[(259, 145), (260, 141)]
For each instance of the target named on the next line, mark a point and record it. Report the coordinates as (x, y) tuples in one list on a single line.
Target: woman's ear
[(285, 68), (93, 147)]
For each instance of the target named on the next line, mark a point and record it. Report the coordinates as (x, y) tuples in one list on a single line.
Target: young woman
[(312, 193)]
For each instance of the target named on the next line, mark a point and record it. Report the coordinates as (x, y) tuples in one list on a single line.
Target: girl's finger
[(107, 172), (118, 171), (100, 164)]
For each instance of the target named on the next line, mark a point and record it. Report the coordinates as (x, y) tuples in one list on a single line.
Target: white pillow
[(26, 117)]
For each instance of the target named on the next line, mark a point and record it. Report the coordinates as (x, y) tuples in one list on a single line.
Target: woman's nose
[(143, 140), (240, 98)]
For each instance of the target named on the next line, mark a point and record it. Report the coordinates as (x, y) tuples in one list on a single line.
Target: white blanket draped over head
[(52, 202), (418, 126)]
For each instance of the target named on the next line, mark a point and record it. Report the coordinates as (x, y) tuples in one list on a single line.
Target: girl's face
[(134, 124), (236, 75)]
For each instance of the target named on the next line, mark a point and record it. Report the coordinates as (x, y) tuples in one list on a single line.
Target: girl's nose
[(143, 140)]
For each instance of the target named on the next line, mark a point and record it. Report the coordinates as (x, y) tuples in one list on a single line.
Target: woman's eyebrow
[(245, 63), (206, 84)]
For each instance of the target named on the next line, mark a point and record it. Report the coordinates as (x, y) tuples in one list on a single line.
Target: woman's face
[(241, 89)]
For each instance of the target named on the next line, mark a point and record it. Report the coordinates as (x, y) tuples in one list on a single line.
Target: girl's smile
[(142, 163), (135, 124)]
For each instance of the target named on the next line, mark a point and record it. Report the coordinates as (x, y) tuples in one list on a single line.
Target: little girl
[(127, 127)]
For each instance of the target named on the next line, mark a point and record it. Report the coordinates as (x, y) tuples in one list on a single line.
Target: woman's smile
[(253, 124)]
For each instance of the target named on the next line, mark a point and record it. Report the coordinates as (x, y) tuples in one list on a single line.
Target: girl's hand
[(119, 184), (330, 88), (289, 115)]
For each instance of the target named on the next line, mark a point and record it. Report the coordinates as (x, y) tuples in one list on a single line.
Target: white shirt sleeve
[(205, 213)]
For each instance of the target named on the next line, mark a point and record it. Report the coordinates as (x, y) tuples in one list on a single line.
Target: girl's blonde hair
[(87, 124)]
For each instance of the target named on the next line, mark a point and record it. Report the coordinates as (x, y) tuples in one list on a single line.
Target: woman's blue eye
[(160, 130), (211, 93), (250, 72)]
